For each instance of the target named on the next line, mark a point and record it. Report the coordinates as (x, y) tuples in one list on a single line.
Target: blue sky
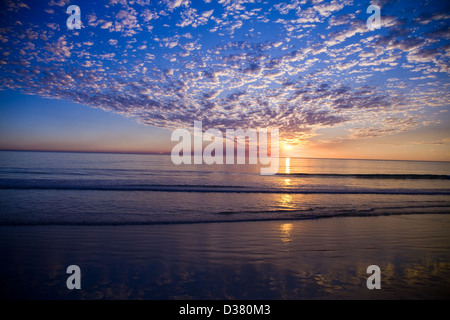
[(138, 69), (35, 123)]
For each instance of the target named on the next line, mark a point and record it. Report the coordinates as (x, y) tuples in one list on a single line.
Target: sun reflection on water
[(286, 229), (286, 201)]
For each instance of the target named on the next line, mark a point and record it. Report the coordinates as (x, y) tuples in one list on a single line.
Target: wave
[(370, 176), (78, 186), (233, 220)]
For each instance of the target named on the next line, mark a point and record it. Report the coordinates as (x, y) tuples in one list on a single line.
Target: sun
[(288, 147)]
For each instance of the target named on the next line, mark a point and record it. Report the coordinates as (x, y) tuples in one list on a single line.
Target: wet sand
[(308, 259)]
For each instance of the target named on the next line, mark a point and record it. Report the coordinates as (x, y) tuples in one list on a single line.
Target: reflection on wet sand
[(286, 229), (324, 259)]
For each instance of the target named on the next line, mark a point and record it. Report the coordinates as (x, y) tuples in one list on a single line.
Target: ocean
[(139, 227), (45, 188)]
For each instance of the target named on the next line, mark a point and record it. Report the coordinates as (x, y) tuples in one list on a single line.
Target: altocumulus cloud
[(295, 65)]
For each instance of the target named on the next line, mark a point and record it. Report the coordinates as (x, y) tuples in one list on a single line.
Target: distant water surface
[(41, 188)]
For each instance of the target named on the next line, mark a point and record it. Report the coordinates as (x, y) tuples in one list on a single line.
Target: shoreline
[(290, 259)]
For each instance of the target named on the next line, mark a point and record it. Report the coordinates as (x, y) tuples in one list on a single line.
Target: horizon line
[(154, 153)]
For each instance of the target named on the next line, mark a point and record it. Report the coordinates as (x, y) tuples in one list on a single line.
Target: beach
[(139, 227), (323, 258)]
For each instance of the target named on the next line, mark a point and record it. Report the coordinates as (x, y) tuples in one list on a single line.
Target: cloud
[(427, 17), (59, 3), (173, 4), (326, 9), (386, 126), (356, 27), (294, 65), (285, 8), (191, 17)]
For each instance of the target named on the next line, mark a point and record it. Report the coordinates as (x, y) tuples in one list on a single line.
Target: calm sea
[(131, 224), (46, 188)]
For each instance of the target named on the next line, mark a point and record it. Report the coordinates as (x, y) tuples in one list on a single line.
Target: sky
[(139, 69)]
